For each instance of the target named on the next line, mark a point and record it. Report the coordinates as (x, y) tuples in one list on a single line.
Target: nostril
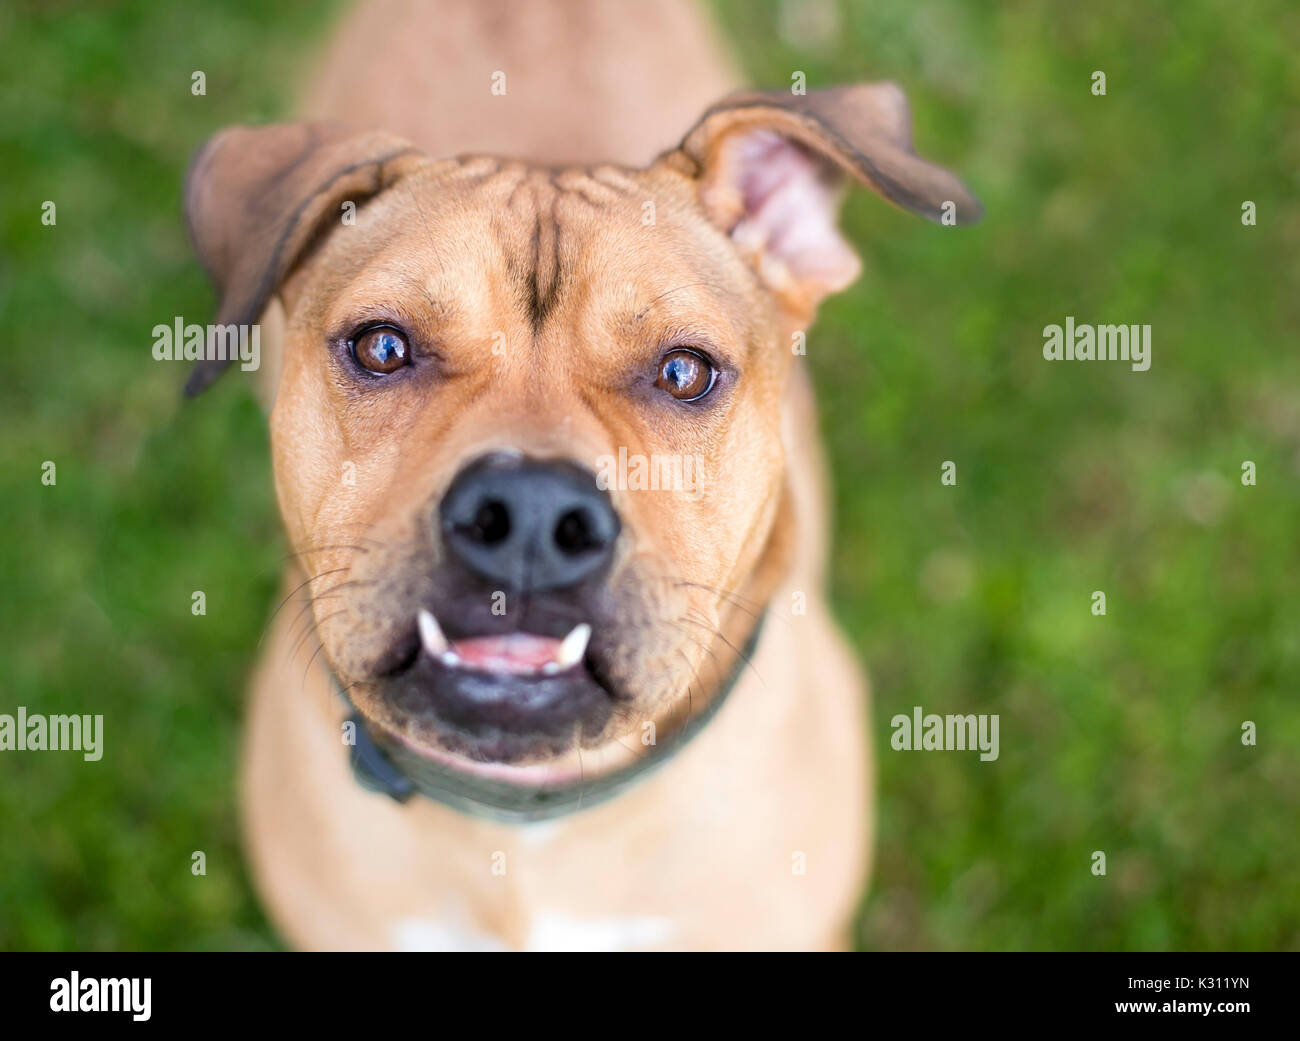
[(575, 534), (528, 525), (491, 523)]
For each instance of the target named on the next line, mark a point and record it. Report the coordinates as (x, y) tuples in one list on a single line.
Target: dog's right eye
[(381, 350), (685, 374)]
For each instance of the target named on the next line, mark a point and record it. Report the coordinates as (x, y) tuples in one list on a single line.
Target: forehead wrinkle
[(689, 285), (528, 236), (561, 201), (620, 178), (589, 187), (424, 221)]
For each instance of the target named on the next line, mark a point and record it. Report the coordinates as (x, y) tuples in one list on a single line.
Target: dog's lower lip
[(529, 776)]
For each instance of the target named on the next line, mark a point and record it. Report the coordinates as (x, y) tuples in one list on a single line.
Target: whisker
[(695, 675), (296, 627), (688, 285), (320, 646), (739, 653), (328, 594), (313, 629), (678, 580), (730, 596), (325, 548), (297, 590)]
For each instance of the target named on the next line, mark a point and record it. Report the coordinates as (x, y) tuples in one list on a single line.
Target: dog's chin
[(488, 717)]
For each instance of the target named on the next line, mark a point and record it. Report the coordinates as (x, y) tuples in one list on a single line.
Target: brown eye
[(687, 376), (381, 350)]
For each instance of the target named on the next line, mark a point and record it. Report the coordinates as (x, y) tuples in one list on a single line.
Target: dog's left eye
[(381, 350), (685, 374)]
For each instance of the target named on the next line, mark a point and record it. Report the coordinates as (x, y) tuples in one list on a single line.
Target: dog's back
[(555, 81)]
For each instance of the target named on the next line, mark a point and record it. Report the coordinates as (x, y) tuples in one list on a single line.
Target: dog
[(539, 689)]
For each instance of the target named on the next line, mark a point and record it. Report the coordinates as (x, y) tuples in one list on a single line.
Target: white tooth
[(550, 669), (430, 634), (573, 647), (449, 658)]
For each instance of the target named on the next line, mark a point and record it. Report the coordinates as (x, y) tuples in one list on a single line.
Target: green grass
[(1119, 734)]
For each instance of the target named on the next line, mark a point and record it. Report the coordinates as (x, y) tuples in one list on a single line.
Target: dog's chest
[(547, 931), (521, 904)]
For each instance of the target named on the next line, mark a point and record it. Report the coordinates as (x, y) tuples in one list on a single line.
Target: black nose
[(528, 525)]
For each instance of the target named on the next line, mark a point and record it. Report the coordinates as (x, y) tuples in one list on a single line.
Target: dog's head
[(527, 433)]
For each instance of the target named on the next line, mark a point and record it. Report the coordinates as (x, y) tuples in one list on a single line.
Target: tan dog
[(475, 358)]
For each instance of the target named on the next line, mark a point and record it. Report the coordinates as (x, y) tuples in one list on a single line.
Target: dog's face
[(528, 431), (464, 368)]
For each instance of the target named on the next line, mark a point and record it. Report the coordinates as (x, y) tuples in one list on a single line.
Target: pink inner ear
[(788, 214)]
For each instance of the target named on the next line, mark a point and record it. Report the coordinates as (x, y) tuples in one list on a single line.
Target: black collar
[(399, 773)]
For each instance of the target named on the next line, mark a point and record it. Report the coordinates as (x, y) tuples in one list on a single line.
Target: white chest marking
[(549, 931), (446, 933)]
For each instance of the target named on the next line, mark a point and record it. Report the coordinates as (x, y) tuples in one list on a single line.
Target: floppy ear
[(769, 166), (257, 198)]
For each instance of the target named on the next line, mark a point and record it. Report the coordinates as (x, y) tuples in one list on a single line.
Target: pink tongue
[(515, 652)]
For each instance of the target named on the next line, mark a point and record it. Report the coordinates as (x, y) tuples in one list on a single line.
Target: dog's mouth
[(509, 654), (515, 706)]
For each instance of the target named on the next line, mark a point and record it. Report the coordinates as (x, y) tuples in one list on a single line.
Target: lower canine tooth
[(430, 634), (573, 647)]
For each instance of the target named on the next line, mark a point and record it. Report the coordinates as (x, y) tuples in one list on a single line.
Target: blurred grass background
[(1119, 734)]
